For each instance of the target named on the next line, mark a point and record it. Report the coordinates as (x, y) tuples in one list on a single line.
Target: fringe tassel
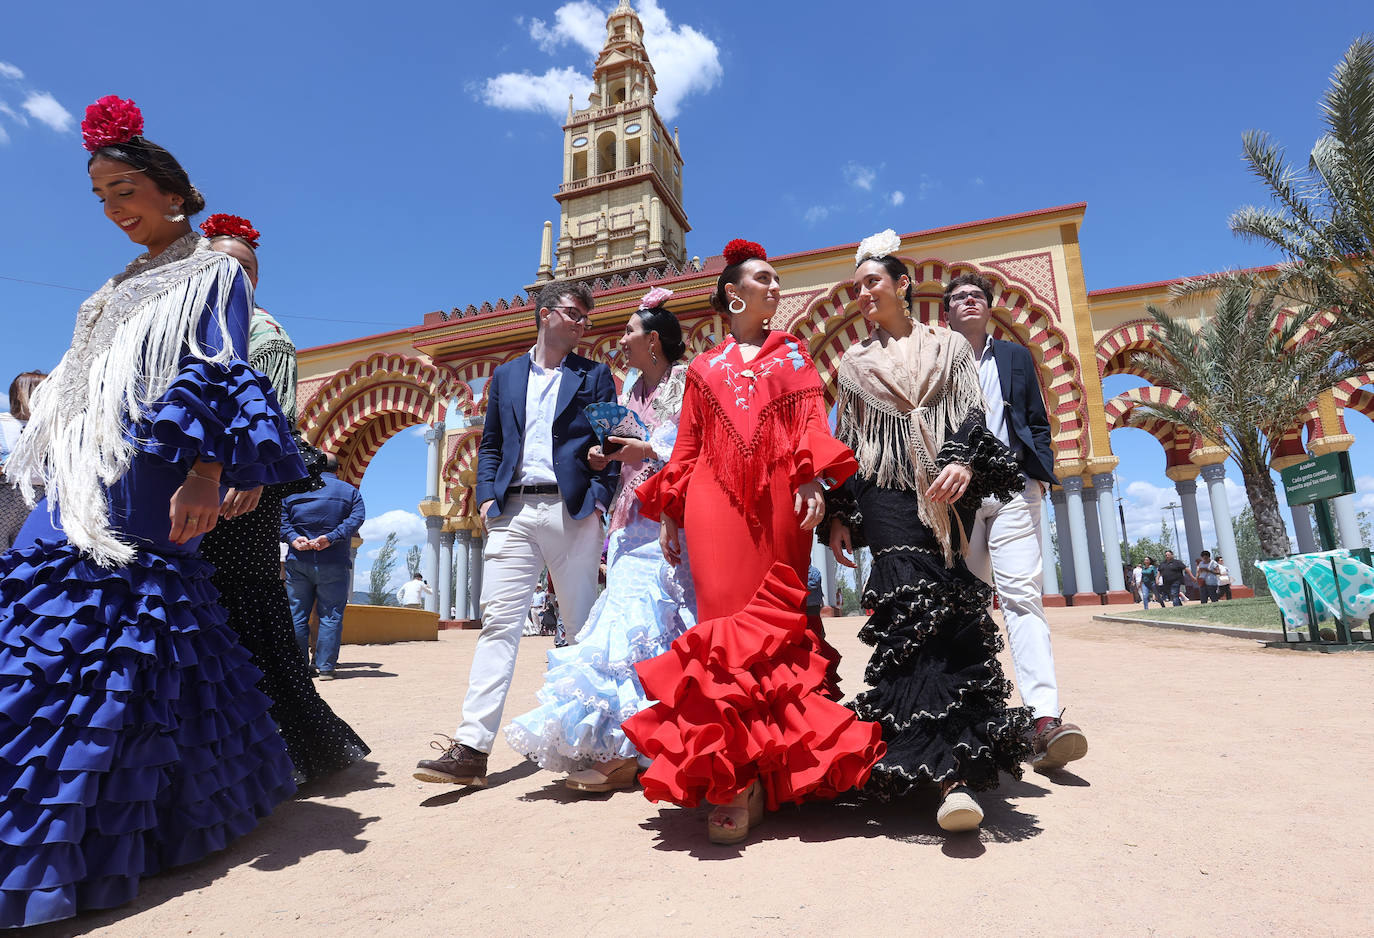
[(79, 453), (743, 468)]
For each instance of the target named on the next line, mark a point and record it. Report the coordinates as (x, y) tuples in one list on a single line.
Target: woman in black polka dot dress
[(244, 548)]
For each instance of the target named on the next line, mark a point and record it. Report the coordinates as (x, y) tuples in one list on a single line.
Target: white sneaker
[(959, 812)]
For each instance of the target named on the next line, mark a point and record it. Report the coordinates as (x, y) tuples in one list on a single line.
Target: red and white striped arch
[(1114, 350), (832, 323), (357, 410), (461, 458)]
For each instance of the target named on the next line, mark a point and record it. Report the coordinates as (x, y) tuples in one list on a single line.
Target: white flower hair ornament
[(883, 244)]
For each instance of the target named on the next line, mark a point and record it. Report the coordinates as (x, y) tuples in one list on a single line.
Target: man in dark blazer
[(1004, 545), (542, 505)]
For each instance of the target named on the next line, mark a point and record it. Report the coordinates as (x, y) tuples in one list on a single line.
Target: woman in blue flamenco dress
[(591, 687), (132, 736)]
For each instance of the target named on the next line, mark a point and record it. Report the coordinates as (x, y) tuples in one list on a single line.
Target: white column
[(476, 562), (824, 561), (1078, 533), (461, 574), (1215, 477), (1047, 548), (1348, 520), (1097, 561), (434, 525), (444, 592), (1302, 528), (434, 438), (1111, 536), (1061, 528)]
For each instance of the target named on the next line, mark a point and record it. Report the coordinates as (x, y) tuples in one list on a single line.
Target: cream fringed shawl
[(899, 398), (129, 339)]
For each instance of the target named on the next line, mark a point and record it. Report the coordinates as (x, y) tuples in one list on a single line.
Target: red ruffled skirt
[(742, 697)]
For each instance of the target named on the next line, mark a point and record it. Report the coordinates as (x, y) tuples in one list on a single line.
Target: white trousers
[(534, 532), (1004, 551)]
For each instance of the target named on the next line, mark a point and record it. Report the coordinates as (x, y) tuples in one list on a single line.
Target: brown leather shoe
[(1056, 744), (459, 765)]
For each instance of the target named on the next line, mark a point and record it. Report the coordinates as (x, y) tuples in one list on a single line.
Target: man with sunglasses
[(541, 503), (1004, 545)]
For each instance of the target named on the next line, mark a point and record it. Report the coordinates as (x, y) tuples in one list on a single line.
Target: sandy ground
[(1226, 792)]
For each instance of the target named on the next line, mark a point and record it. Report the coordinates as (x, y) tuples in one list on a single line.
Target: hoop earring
[(731, 307), (177, 215)]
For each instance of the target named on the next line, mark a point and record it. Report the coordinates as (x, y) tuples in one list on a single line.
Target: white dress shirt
[(995, 416), (541, 405)]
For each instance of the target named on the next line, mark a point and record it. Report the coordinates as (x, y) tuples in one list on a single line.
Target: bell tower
[(621, 197)]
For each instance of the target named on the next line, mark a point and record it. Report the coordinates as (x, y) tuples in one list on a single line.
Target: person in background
[(1137, 582), (13, 507), (413, 592), (1223, 580), (815, 592), (1205, 575), (1171, 574), (245, 549), (320, 526), (1149, 582)]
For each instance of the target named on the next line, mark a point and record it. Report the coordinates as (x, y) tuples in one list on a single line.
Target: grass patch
[(1259, 612)]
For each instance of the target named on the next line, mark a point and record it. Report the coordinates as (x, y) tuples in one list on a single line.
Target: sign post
[(1315, 482)]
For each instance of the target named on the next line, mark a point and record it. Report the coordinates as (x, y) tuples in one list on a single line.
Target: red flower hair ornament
[(738, 251), (110, 120), (231, 226)]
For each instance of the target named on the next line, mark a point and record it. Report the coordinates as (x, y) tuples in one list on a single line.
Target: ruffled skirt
[(132, 737), (591, 687), (937, 687), (740, 697)]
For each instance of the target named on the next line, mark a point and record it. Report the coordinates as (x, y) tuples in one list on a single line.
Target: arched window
[(605, 153)]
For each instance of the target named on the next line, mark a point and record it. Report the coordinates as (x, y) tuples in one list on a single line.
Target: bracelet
[(201, 475)]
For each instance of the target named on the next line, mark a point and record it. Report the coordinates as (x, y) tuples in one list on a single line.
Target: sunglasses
[(573, 313)]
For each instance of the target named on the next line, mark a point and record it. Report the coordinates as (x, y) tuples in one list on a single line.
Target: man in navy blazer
[(1004, 545), (542, 505)]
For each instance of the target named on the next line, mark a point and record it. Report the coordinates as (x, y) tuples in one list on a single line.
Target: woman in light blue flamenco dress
[(591, 687), (132, 735)]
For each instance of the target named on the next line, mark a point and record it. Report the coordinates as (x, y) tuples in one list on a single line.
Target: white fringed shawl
[(129, 339), (898, 399)]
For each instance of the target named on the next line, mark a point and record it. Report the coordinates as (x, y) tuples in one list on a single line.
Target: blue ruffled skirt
[(132, 734), (591, 687)]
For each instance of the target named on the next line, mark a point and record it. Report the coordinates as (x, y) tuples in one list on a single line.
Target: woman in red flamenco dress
[(746, 712)]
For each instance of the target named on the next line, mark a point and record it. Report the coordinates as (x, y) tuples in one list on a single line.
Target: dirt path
[(1225, 793)]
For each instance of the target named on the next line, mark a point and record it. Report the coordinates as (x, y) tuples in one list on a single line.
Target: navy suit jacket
[(498, 457), (1027, 421)]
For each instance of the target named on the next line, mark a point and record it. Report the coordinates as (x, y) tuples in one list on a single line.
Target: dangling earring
[(177, 215), (653, 356), (906, 307), (738, 300)]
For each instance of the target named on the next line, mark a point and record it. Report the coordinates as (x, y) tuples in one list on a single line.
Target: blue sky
[(393, 169)]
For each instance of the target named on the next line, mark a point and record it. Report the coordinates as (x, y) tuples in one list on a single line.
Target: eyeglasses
[(574, 314), (968, 295)]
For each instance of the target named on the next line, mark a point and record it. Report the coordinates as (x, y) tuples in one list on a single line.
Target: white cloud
[(685, 61), (897, 198), (10, 71), (408, 526), (42, 106), (859, 175), (547, 93), (4, 136), (580, 23), (12, 114), (819, 213), (927, 186), (977, 180)]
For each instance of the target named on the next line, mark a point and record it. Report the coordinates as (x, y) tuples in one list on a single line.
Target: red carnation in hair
[(220, 224), (110, 120), (738, 251)]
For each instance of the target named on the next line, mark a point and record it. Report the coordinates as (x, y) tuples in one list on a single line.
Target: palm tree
[(1322, 218), (1250, 372)]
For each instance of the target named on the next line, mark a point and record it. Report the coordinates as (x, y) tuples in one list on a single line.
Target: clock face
[(632, 129), (580, 142)]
